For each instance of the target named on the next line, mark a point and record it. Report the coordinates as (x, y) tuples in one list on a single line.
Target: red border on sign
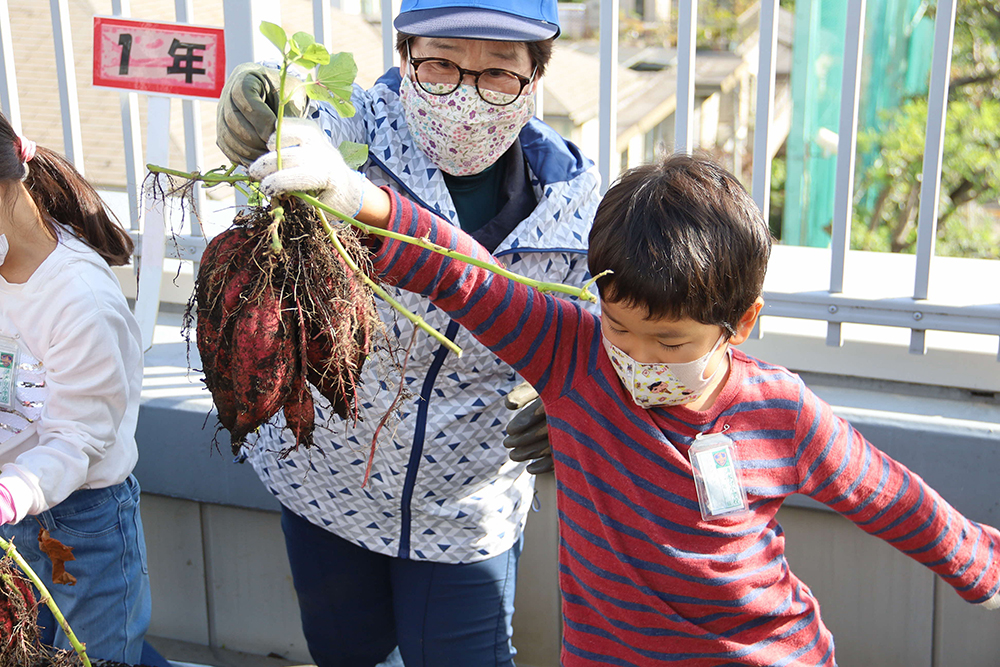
[(168, 89)]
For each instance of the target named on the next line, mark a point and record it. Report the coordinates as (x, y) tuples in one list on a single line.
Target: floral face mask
[(461, 132), (656, 384)]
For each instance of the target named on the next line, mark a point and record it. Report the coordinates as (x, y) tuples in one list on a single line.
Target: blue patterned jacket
[(442, 487)]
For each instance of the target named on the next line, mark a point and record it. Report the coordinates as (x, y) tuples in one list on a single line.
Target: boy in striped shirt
[(673, 450)]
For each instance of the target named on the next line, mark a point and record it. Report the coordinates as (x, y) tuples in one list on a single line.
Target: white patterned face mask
[(460, 132), (4, 248), (657, 384)]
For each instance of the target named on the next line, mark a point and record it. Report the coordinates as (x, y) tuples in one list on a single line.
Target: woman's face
[(492, 58)]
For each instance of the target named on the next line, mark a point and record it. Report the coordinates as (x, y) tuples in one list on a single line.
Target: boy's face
[(659, 340)]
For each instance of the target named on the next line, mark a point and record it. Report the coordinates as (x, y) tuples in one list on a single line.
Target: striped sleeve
[(519, 324), (839, 468)]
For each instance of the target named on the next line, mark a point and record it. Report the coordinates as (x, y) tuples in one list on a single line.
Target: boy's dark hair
[(684, 239), (539, 52), (62, 194)]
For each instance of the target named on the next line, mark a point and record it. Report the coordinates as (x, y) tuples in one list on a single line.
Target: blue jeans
[(109, 607), (362, 609)]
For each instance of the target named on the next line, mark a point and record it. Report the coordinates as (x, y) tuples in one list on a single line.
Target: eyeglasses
[(439, 76)]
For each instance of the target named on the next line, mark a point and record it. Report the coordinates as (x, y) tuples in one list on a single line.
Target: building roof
[(100, 109), (572, 83), (645, 98)]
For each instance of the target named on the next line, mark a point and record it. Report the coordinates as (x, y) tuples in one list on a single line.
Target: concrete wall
[(220, 576)]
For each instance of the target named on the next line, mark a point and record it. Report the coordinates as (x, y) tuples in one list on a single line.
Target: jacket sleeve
[(523, 327), (88, 375), (840, 468)]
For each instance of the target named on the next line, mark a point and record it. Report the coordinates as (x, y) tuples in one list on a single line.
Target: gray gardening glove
[(248, 110), (527, 433)]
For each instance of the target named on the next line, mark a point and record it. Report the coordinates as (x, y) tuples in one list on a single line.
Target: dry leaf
[(59, 554)]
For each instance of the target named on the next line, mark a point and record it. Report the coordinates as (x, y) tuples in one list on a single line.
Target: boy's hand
[(528, 433), (993, 603), (248, 110), (309, 164)]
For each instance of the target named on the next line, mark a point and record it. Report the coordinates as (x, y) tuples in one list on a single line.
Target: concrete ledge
[(179, 454), (950, 437)]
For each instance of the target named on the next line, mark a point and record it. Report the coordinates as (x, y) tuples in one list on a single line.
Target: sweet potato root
[(270, 324)]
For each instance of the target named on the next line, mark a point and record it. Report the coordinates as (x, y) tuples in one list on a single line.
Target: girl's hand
[(7, 513)]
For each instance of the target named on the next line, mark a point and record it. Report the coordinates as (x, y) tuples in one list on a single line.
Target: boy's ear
[(747, 322)]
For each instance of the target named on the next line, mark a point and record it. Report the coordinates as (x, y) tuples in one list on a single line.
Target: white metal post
[(147, 303), (65, 73), (768, 46), (844, 197), (8, 77), (687, 26), (608, 113), (930, 190), (193, 145), (321, 23), (244, 42), (389, 56), (132, 135)]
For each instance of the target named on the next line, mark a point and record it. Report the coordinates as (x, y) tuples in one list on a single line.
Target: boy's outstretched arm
[(520, 325), (539, 335), (840, 468)]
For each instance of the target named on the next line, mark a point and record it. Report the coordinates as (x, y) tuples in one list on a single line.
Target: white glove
[(309, 163), (993, 602)]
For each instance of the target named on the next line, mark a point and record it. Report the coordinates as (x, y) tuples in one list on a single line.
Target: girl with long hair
[(70, 378)]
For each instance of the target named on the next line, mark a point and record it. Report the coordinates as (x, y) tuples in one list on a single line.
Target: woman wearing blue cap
[(424, 558)]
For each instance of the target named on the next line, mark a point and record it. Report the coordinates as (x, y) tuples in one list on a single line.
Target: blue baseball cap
[(500, 20)]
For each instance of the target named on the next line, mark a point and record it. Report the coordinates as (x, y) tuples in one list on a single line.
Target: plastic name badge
[(716, 478), (8, 372)]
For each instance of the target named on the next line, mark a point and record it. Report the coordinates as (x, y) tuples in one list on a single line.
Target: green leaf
[(354, 154), (303, 40), (336, 77), (313, 55), (340, 102), (275, 34), (339, 73)]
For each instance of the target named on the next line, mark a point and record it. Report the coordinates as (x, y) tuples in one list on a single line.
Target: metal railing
[(244, 43)]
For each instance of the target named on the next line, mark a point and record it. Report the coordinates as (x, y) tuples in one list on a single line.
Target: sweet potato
[(265, 362)]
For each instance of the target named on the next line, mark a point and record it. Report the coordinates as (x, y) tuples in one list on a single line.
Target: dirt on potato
[(270, 324)]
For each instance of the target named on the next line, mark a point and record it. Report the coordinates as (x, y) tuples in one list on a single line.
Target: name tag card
[(716, 478), (9, 356)]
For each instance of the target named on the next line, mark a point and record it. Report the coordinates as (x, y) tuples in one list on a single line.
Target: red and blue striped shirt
[(645, 580)]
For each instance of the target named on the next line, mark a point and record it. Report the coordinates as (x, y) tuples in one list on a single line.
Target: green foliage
[(329, 77), (355, 154), (333, 83), (889, 188)]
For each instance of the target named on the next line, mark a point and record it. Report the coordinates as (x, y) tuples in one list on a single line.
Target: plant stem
[(582, 293), (278, 215), (214, 179), (281, 112), (375, 287), (8, 547), (541, 286)]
